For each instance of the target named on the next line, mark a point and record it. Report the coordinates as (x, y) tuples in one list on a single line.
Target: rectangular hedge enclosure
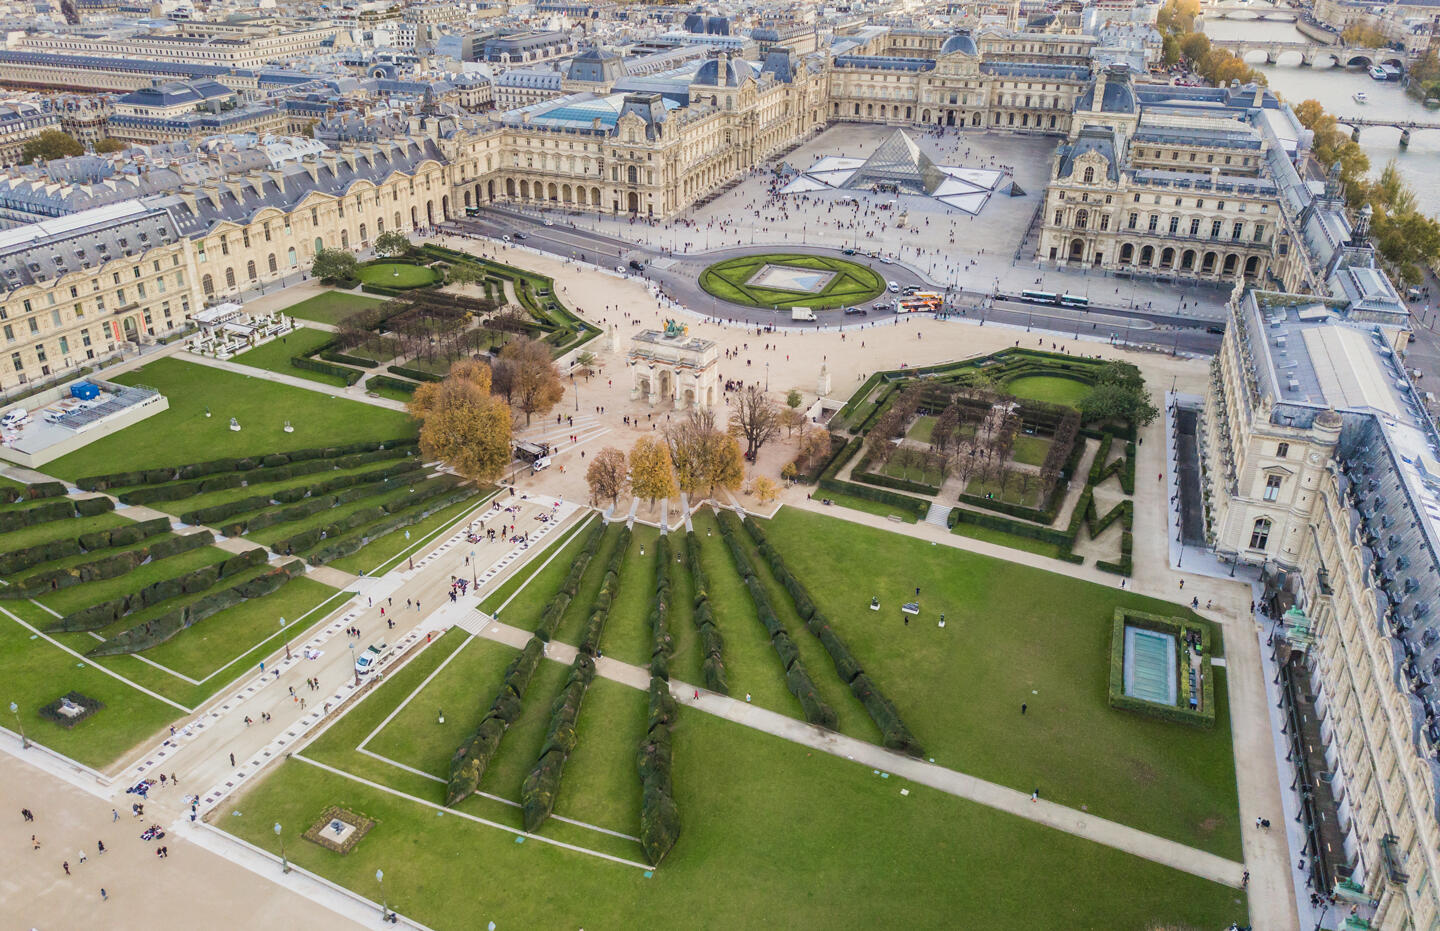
[(1180, 712)]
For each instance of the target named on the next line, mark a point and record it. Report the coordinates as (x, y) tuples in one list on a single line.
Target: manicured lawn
[(922, 428), (1001, 538), (331, 307), (225, 495), (1015, 634), (773, 834), (397, 274), (53, 530), (1012, 493), (183, 434), (275, 356), (866, 505), (731, 280), (76, 597), (37, 672), (383, 554), (895, 469), (390, 394), (1030, 450), (1051, 388)]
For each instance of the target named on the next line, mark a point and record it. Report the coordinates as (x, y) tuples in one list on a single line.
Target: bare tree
[(756, 419)]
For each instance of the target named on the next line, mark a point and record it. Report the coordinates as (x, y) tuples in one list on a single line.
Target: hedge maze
[(1016, 460)]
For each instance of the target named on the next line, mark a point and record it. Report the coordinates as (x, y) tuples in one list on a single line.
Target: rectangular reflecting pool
[(1150, 665)]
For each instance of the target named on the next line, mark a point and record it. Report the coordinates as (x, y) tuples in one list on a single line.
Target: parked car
[(638, 265), (847, 251), (519, 235), (894, 288)]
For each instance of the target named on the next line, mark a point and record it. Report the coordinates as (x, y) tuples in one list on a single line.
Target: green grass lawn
[(772, 833), (275, 355), (38, 672), (331, 307), (866, 505), (922, 428), (1001, 538), (853, 283), (1013, 493), (76, 597), (183, 434), (1051, 388), (1030, 450), (53, 530), (1015, 634), (390, 394), (895, 469), (385, 553), (397, 274)]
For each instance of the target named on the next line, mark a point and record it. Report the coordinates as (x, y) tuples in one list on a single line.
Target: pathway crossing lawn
[(331, 307), (1015, 634), (275, 355), (53, 530), (773, 833), (37, 672), (183, 434), (1012, 540), (383, 554), (866, 505)]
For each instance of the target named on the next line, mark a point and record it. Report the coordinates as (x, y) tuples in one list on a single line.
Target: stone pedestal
[(822, 387)]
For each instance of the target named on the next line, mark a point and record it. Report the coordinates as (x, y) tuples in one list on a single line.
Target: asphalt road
[(678, 277)]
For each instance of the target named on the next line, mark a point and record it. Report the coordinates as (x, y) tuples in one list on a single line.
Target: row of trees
[(1176, 22), (1406, 239)]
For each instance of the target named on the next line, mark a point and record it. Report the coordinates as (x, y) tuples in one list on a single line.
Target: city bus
[(1074, 300), (1039, 297)]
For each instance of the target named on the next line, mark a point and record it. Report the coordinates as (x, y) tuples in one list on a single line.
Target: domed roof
[(723, 72), (960, 42)]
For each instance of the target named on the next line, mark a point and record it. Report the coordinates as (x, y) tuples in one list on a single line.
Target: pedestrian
[(103, 896), (34, 842), (232, 759), (1023, 706), (697, 694), (1245, 879), (1182, 583), (82, 856), (66, 867), (174, 779), (99, 847), (1035, 795), (747, 698)]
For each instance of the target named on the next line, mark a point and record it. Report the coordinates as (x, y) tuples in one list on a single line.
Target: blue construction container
[(84, 391)]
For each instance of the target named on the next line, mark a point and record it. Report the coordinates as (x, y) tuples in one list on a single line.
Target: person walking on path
[(103, 896), (82, 856), (114, 816), (1023, 706), (99, 847), (35, 842), (232, 759), (66, 867)]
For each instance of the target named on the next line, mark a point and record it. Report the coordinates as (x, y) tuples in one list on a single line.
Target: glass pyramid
[(898, 164)]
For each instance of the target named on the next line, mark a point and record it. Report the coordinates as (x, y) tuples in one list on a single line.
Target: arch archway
[(1231, 261), (1147, 256), (1187, 260), (1167, 257), (1207, 264), (1077, 250), (429, 213), (1127, 253), (632, 202), (1252, 266)]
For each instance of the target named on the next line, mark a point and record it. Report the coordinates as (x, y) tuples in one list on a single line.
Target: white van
[(540, 465), (14, 419), (370, 658)]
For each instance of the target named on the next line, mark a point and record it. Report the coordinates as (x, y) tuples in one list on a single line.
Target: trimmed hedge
[(797, 679), (550, 617), (107, 567), (1175, 626), (1126, 564), (416, 374), (895, 735), (659, 815), (394, 384), (307, 540), (472, 758), (916, 506), (10, 495), (327, 368), (344, 546), (18, 560), (245, 464), (712, 644), (160, 629), (105, 613), (542, 784), (595, 624), (62, 509), (332, 355)]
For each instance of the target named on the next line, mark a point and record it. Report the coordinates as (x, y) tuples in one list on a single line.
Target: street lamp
[(384, 907), (767, 376), (24, 742), (353, 666), (284, 863)]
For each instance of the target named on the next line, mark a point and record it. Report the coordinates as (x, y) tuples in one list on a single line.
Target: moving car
[(519, 235), (847, 251), (893, 287), (638, 265), (856, 312)]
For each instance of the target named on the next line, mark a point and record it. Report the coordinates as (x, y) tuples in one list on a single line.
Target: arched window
[(344, 239), (230, 278), (1089, 175), (250, 270), (1082, 219), (274, 265), (291, 256), (1261, 534), (208, 284), (319, 244)]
